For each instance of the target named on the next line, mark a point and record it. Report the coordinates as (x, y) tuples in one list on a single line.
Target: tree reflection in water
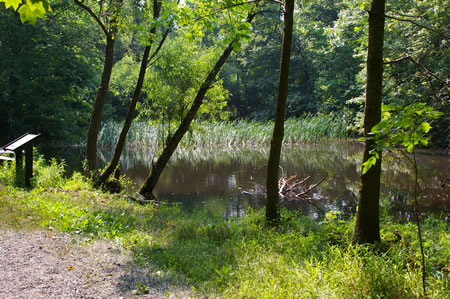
[(212, 178)]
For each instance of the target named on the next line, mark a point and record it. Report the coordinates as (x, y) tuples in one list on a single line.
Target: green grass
[(308, 128), (238, 258)]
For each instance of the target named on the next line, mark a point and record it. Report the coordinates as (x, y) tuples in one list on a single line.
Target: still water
[(213, 179)]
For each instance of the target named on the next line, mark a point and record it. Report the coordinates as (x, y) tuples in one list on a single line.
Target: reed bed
[(307, 129)]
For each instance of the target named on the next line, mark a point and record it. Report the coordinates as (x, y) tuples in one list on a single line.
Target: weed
[(240, 257)]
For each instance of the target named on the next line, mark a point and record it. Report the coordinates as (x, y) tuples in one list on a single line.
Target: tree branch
[(214, 11), (407, 16), (163, 39), (96, 18), (396, 60), (244, 3), (417, 24), (425, 72)]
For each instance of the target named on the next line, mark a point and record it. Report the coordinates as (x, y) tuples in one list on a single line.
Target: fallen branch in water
[(290, 188)]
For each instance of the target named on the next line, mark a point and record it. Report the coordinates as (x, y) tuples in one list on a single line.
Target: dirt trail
[(42, 264)]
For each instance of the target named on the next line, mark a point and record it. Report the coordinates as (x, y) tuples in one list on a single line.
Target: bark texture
[(96, 115), (367, 226), (273, 200), (132, 107), (173, 141)]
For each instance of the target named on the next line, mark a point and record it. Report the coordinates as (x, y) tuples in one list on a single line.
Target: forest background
[(50, 74), (50, 71)]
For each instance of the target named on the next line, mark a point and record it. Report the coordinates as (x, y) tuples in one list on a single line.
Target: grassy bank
[(239, 257), (230, 133)]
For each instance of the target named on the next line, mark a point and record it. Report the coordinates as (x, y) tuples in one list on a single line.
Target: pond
[(213, 179)]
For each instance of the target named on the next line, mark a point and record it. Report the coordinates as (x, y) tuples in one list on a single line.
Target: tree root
[(143, 200)]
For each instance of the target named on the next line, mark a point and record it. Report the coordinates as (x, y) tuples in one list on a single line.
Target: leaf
[(12, 3), (236, 45), (27, 15), (31, 10), (388, 107), (410, 147), (425, 127), (368, 164), (424, 141), (379, 126)]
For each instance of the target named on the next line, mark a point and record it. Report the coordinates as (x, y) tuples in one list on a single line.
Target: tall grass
[(309, 128), (238, 258)]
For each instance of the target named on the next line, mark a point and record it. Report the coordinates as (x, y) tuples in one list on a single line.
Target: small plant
[(142, 289), (8, 173), (407, 126), (49, 174)]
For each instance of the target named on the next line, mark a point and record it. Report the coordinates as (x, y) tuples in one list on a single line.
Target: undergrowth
[(240, 258)]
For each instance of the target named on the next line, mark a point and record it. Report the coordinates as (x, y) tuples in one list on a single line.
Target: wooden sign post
[(17, 146)]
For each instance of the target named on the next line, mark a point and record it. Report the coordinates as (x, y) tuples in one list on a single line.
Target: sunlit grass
[(238, 258), (309, 128)]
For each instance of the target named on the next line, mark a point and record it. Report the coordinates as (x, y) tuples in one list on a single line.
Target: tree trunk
[(96, 116), (367, 226), (273, 200), (131, 108), (172, 143)]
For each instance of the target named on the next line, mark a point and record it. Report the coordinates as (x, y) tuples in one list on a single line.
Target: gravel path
[(42, 264)]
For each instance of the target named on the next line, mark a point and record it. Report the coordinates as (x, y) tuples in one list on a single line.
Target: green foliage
[(175, 79), (124, 76), (241, 257), (48, 175), (323, 70), (407, 126), (417, 32), (29, 10), (49, 73), (47, 76), (8, 173), (415, 54)]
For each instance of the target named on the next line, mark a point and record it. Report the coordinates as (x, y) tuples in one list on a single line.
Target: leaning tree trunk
[(172, 143), (367, 226), (132, 107), (273, 200)]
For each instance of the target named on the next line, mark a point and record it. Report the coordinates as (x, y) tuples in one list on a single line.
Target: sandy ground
[(43, 264)]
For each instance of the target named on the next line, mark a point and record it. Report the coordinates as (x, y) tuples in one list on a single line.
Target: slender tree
[(367, 226), (174, 140), (108, 22), (273, 200), (137, 91)]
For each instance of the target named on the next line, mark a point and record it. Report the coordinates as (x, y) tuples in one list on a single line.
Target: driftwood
[(290, 188)]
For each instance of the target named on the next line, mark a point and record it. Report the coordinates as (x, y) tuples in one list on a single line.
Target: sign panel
[(20, 142)]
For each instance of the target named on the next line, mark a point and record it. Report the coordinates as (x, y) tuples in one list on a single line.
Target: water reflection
[(212, 179)]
